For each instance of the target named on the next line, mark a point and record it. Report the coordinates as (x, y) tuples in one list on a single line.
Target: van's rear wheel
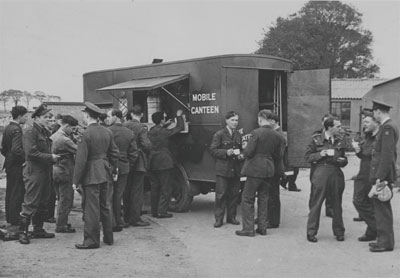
[(181, 197)]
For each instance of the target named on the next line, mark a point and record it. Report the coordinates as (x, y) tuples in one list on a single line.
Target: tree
[(14, 95), (28, 97), (40, 96), (324, 34), (4, 97)]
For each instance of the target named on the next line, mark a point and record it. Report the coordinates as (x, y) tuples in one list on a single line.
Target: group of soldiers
[(261, 162), (108, 165)]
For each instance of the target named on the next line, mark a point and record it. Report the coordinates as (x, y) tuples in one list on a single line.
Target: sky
[(48, 45)]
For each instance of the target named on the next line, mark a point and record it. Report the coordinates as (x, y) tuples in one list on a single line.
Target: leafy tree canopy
[(323, 34)]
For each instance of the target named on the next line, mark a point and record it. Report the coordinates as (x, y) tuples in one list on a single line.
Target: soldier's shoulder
[(220, 132), (316, 137)]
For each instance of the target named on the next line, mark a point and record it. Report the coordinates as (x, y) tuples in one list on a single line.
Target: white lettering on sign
[(204, 97), (204, 110)]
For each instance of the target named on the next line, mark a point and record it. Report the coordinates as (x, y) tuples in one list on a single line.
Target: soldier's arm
[(70, 146), (144, 140), (16, 145), (80, 161), (215, 148), (251, 146), (342, 160), (387, 152), (113, 153), (312, 155), (31, 149), (133, 152), (179, 126)]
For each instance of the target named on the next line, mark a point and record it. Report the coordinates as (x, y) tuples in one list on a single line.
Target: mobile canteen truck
[(206, 89)]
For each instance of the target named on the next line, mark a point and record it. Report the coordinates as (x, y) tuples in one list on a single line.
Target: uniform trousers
[(364, 206), (133, 197), (118, 191), (326, 179), (226, 197), (65, 196), (253, 186), (160, 191), (37, 179), (96, 204), (384, 223), (15, 192), (274, 203)]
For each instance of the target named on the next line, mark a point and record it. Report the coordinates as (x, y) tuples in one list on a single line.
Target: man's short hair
[(59, 116), (68, 119), (157, 117), (329, 122), (136, 110), (117, 113), (231, 114), (18, 111), (265, 114), (274, 117)]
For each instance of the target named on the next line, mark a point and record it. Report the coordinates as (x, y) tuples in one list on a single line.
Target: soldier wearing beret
[(383, 170), (262, 153), (161, 163), (133, 195), (125, 141), (226, 147), (96, 162), (326, 152), (12, 150), (63, 171), (37, 174)]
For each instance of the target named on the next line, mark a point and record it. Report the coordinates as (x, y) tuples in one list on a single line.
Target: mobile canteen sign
[(203, 103)]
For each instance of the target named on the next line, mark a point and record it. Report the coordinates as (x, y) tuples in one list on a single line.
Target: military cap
[(90, 107), (380, 105), (40, 110)]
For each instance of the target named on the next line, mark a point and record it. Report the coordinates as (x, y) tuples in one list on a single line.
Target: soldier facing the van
[(226, 147)]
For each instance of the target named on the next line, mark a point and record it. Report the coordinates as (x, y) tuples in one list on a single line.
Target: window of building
[(342, 109)]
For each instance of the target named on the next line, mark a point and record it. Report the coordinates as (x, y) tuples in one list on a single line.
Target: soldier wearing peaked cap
[(383, 169), (37, 175), (96, 162)]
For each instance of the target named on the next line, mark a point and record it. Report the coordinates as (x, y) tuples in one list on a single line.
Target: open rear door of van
[(309, 94)]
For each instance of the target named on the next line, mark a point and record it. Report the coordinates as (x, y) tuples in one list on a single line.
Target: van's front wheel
[(181, 196)]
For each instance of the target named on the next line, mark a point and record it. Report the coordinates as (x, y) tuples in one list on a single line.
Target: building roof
[(387, 81), (353, 88)]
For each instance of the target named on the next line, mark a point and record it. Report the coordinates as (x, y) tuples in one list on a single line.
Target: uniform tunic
[(133, 195), (227, 190), (63, 172), (327, 179), (12, 150), (383, 167), (263, 152), (96, 158)]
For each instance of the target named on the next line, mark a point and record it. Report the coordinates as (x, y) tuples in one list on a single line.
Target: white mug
[(330, 152)]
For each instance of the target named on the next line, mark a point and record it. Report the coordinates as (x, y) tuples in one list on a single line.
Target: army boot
[(23, 228), (38, 231)]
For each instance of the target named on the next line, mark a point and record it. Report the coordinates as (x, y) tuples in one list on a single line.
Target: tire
[(181, 197)]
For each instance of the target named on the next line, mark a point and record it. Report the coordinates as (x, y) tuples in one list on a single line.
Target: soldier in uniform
[(161, 163), (125, 141), (226, 147), (262, 153), (383, 169), (96, 162), (274, 202), (37, 174), (12, 150), (327, 152), (362, 186), (63, 171), (133, 195)]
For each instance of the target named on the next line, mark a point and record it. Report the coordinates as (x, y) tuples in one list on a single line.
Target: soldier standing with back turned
[(96, 162), (383, 169)]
